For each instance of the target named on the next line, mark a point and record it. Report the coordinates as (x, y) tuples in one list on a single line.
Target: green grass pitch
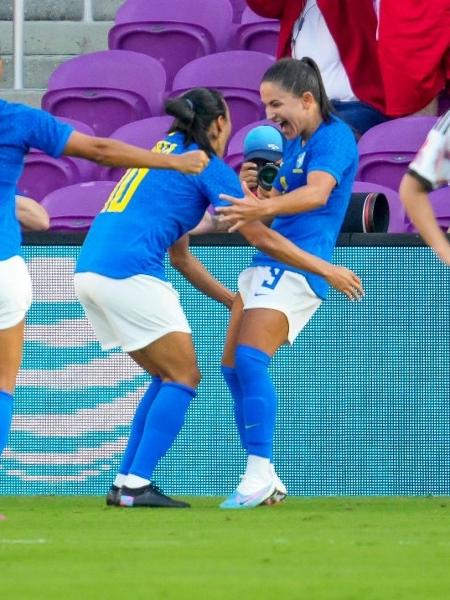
[(306, 548)]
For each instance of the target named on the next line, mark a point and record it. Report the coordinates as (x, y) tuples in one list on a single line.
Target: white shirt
[(432, 163), (315, 40)]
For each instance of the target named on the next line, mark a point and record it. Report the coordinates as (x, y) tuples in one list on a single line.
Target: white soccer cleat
[(260, 496), (280, 489)]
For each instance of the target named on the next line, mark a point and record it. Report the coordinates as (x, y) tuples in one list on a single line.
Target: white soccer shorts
[(130, 313), (15, 291), (285, 291)]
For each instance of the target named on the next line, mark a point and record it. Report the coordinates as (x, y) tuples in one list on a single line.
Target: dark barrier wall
[(364, 393)]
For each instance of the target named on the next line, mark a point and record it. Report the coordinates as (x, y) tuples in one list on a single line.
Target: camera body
[(267, 172)]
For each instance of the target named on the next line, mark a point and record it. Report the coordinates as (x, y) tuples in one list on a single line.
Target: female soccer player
[(22, 127), (429, 170), (120, 281), (309, 199)]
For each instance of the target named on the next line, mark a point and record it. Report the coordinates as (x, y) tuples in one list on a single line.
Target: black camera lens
[(266, 175)]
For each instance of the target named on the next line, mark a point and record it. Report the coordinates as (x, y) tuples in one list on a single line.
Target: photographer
[(263, 152)]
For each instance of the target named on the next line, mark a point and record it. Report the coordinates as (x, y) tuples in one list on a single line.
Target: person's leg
[(360, 116), (11, 348), (261, 333), (228, 367), (173, 356), (136, 430)]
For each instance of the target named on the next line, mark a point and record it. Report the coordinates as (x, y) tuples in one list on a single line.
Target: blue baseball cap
[(264, 142)]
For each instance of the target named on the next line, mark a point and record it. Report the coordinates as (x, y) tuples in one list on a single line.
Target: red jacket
[(352, 24), (414, 50)]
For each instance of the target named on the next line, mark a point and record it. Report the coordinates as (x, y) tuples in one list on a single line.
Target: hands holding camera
[(259, 176)]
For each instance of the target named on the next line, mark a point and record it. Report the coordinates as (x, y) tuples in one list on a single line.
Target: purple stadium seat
[(144, 133), (43, 174), (440, 201), (74, 207), (397, 216), (387, 149), (257, 33), (234, 156), (174, 32), (106, 89), (237, 74), (238, 9)]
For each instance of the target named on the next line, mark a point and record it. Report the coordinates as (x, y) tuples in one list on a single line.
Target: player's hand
[(249, 174), (242, 210), (345, 281), (193, 162)]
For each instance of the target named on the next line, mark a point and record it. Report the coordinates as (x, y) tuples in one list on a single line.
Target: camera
[(368, 212), (263, 145), (267, 172)]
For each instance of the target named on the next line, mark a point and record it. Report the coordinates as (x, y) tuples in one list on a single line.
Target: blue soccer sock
[(232, 381), (164, 421), (138, 424), (259, 399), (6, 412)]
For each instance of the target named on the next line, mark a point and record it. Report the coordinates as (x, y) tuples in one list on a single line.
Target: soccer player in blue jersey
[(121, 283), (22, 127), (309, 199)]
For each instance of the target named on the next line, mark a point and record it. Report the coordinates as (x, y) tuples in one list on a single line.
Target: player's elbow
[(101, 151), (43, 222), (179, 261)]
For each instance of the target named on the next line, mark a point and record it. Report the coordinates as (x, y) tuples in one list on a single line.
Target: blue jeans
[(358, 115)]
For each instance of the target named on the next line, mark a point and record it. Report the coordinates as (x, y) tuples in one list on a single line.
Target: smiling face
[(297, 116)]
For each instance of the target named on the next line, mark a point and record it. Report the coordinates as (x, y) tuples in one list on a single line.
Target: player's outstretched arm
[(276, 245), (418, 207), (196, 273), (251, 208), (114, 153)]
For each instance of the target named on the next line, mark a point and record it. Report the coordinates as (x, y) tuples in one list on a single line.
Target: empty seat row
[(179, 31), (110, 88)]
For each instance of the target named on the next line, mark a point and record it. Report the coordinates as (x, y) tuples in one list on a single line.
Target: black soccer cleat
[(150, 496), (113, 496)]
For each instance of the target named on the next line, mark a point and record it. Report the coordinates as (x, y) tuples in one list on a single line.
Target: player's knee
[(188, 375), (194, 376)]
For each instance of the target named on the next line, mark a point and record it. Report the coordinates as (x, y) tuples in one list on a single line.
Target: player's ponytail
[(194, 112), (300, 76)]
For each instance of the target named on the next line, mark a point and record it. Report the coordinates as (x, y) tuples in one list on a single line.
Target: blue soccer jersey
[(331, 149), (21, 128), (148, 211)]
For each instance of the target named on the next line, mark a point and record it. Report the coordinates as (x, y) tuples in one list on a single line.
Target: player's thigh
[(264, 324), (172, 356), (11, 348), (263, 328)]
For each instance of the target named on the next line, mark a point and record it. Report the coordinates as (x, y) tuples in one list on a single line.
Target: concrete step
[(61, 10), (36, 70), (50, 37), (29, 97)]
